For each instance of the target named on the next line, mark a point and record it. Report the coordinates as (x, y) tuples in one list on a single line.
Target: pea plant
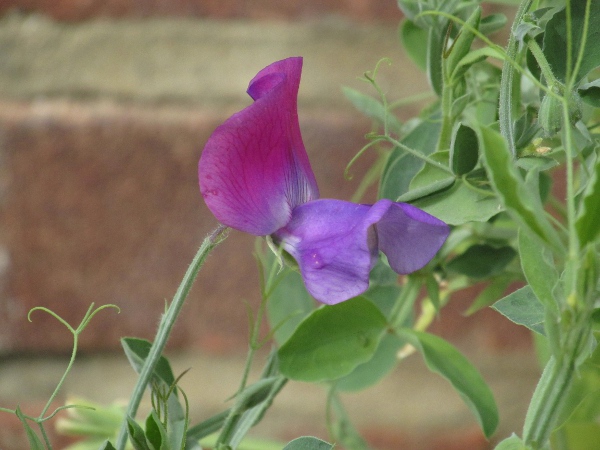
[(465, 196)]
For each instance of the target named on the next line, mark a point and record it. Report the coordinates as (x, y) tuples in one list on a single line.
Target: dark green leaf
[(156, 435), (435, 49), (539, 269), (401, 167), (464, 149), (556, 40), (588, 216), (490, 294), (106, 445), (332, 341), (137, 437), (441, 357), (308, 443), (590, 93), (137, 351), (462, 44), (414, 40), (482, 261), (524, 207), (207, 427), (523, 308), (369, 373), (35, 442)]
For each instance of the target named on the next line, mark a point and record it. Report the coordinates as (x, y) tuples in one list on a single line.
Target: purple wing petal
[(410, 237), (254, 169), (335, 246)]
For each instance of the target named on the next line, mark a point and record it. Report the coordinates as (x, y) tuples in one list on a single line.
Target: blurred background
[(104, 109)]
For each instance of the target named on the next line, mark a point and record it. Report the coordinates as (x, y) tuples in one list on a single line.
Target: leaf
[(492, 23), (435, 49), (556, 40), (401, 167), (524, 207), (332, 341), (288, 304), (308, 443), (581, 435), (441, 357), (462, 44), (512, 443), (482, 261), (414, 40), (590, 93), (490, 294), (106, 445), (136, 435), (587, 223), (474, 57), (539, 270), (35, 442), (467, 200), (156, 435), (372, 108), (137, 351), (371, 372), (523, 308), (464, 149)]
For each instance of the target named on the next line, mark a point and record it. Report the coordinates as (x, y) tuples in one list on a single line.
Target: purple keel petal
[(410, 237), (254, 169), (335, 246)]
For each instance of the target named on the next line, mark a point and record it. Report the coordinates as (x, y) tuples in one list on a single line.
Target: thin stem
[(404, 302), (420, 155), (166, 325), (540, 58)]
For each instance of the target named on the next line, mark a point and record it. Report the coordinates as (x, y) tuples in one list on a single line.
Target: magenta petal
[(410, 237), (335, 246), (254, 169)]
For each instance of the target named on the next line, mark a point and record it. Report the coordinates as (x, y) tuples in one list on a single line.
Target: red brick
[(75, 10), (101, 204)]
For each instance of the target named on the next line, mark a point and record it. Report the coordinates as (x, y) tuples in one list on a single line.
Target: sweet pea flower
[(255, 177)]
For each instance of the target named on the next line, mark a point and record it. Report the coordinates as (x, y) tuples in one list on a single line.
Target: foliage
[(482, 157)]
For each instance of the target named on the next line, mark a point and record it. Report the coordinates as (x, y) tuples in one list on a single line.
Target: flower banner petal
[(410, 237), (335, 246), (254, 169)]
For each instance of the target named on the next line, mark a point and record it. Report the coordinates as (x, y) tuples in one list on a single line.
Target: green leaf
[(441, 357), (512, 443), (492, 23), (332, 341), (590, 93), (462, 44), (136, 435), (35, 443), (556, 40), (581, 435), (461, 203), (308, 443), (137, 351), (523, 308), (288, 304), (588, 216), (539, 269), (107, 445), (401, 167), (524, 207), (464, 149), (369, 373), (156, 435), (474, 57), (372, 108), (482, 261), (435, 49), (414, 40)]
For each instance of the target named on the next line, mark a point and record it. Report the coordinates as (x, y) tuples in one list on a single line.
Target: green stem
[(166, 325), (540, 58), (419, 155), (405, 301), (506, 107), (446, 108)]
